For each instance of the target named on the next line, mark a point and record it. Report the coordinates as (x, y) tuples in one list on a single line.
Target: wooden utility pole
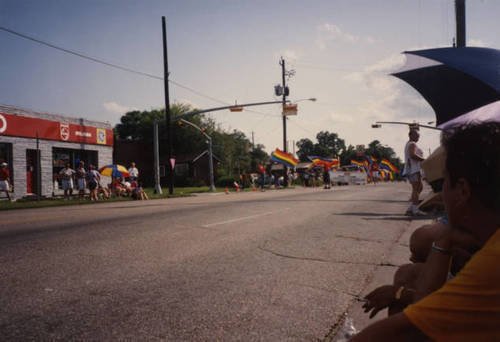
[(460, 19), (285, 169), (169, 167)]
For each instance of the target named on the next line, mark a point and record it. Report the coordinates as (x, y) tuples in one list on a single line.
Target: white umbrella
[(488, 113)]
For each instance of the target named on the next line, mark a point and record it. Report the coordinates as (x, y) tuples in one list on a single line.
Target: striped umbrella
[(114, 170)]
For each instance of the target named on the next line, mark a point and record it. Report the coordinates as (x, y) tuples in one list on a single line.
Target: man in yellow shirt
[(467, 308)]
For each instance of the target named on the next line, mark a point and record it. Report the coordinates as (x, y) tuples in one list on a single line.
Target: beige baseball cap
[(434, 169)]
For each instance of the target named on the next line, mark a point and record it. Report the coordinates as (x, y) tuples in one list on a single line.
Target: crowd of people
[(91, 180), (450, 291)]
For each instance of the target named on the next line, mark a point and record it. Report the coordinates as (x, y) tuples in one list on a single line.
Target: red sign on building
[(28, 127)]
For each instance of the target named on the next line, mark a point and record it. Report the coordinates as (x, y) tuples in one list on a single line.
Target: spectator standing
[(80, 176), (94, 180), (67, 181), (326, 176), (133, 172), (413, 157), (5, 180), (262, 172)]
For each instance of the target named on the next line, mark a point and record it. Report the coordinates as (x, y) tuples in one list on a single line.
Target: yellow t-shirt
[(467, 308)]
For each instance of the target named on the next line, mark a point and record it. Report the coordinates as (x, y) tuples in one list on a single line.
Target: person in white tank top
[(413, 157)]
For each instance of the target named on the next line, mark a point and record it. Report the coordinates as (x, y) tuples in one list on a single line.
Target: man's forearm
[(435, 270)]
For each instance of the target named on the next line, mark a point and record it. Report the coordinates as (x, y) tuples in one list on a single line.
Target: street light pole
[(186, 115), (378, 124), (210, 157)]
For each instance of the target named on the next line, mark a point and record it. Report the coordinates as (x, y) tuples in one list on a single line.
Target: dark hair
[(473, 153)]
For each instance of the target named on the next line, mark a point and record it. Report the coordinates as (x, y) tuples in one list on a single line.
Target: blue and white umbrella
[(454, 81)]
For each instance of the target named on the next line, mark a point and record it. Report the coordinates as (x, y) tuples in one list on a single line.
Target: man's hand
[(379, 299)]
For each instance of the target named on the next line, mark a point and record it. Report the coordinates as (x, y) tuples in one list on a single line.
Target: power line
[(81, 55)]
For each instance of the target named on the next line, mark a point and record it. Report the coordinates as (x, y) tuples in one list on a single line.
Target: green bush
[(225, 181)]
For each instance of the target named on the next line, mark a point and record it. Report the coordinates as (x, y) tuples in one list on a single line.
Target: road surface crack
[(288, 256)]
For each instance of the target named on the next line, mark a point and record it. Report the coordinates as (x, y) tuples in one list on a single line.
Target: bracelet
[(441, 250), (399, 292)]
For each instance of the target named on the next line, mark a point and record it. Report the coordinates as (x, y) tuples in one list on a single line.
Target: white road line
[(242, 218)]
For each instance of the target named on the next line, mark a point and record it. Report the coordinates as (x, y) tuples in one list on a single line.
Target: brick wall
[(19, 147)]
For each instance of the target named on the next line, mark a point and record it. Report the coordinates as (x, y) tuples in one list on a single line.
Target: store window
[(63, 156), (6, 157)]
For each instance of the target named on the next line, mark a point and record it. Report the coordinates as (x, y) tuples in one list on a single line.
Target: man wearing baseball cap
[(4, 180)]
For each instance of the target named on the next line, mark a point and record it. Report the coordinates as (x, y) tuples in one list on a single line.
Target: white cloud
[(116, 108), (390, 98), (330, 32)]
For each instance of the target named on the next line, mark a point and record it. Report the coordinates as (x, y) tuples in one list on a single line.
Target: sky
[(342, 52)]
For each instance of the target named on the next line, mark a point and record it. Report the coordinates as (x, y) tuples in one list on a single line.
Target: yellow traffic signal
[(236, 109)]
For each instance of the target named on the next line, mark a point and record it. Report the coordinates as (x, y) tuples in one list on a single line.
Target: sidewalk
[(383, 275)]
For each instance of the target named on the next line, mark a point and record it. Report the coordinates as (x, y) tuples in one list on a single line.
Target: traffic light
[(236, 109), (414, 126), (376, 125), (278, 90), (180, 123), (287, 91)]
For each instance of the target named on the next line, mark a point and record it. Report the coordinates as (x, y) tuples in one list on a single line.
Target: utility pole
[(285, 169), (253, 142), (460, 19), (169, 166)]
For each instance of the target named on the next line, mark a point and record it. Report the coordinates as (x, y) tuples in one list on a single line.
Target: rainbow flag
[(315, 159), (284, 158), (371, 160), (388, 165), (355, 162), (321, 161)]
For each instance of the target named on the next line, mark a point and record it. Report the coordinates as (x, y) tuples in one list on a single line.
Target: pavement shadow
[(333, 200), (388, 217)]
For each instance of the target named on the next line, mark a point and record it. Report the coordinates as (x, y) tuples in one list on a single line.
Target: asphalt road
[(272, 266)]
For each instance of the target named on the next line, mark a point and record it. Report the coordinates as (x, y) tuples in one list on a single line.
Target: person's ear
[(464, 192)]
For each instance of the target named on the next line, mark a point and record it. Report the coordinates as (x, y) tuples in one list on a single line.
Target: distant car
[(349, 174)]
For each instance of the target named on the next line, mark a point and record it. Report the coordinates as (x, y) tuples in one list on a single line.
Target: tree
[(305, 147), (258, 155), (347, 155), (232, 147), (379, 151), (329, 144)]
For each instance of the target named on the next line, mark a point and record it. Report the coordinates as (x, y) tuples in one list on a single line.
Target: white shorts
[(67, 184), (81, 184), (414, 177), (4, 185)]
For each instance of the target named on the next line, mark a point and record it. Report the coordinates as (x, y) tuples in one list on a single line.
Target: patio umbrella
[(454, 81), (114, 170), (488, 113)]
